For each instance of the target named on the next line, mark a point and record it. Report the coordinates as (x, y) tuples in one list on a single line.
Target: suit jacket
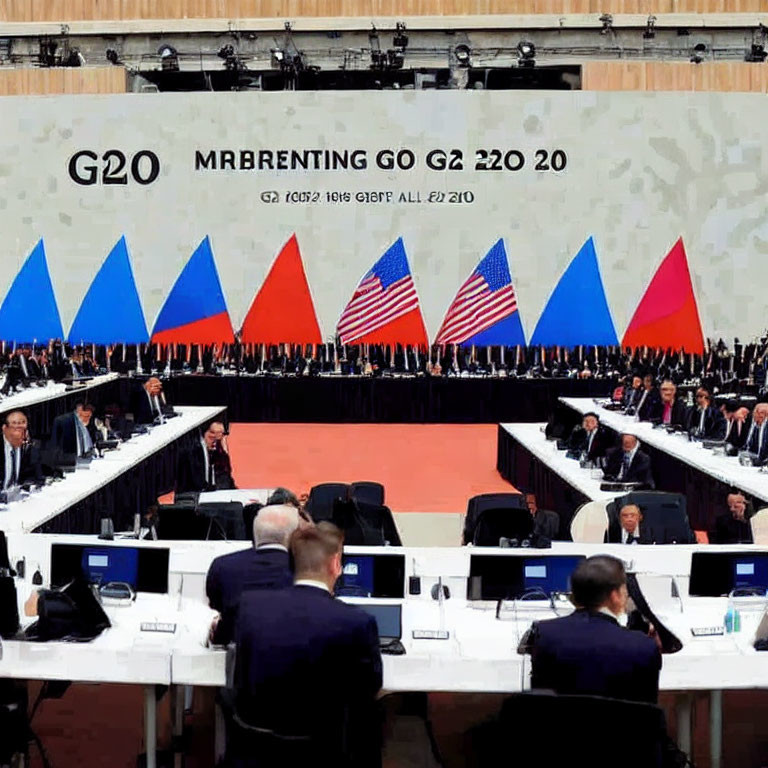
[(753, 444), (30, 465), (589, 653), (639, 470), (308, 664), (631, 397), (678, 416), (601, 442), (64, 432), (649, 404), (736, 437), (140, 407), (614, 535), (714, 422), (231, 575), (731, 531), (190, 470), (547, 523)]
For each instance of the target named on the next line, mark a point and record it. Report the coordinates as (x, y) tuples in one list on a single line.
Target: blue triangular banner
[(196, 294), (29, 311), (577, 311), (111, 311)]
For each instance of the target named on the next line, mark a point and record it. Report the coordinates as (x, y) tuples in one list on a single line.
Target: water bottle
[(732, 619)]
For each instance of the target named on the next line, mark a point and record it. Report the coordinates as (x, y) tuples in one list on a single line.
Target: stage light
[(400, 40), (607, 21), (756, 54), (395, 59), (169, 58), (699, 51), (165, 51), (112, 56), (226, 52), (526, 54), (462, 53), (278, 56), (650, 28)]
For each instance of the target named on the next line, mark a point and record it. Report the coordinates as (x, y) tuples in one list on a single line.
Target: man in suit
[(545, 522), (148, 401), (648, 398), (75, 433), (628, 464), (205, 465), (757, 437), (737, 422), (627, 529), (632, 393), (308, 665), (20, 458), (668, 410), (591, 438), (704, 420), (733, 526), (589, 652), (264, 566)]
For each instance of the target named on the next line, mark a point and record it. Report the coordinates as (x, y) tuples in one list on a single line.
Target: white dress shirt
[(625, 535), (311, 583), (9, 451)]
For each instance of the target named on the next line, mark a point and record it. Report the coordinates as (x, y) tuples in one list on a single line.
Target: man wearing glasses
[(704, 420)]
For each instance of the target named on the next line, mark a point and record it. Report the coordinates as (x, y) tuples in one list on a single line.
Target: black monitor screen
[(372, 576), (717, 573), (388, 618), (509, 577), (144, 568)]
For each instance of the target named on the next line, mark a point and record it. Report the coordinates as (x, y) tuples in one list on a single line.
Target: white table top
[(726, 469), (532, 437), (35, 395), (41, 506)]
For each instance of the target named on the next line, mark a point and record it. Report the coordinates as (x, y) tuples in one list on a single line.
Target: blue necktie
[(625, 466)]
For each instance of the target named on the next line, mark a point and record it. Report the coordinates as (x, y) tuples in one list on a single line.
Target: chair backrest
[(541, 715), (483, 501), (322, 497), (590, 523), (226, 518), (494, 524), (759, 523), (367, 525), (179, 522), (368, 492), (664, 515)]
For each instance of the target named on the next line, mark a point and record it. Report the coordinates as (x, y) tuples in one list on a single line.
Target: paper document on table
[(243, 495)]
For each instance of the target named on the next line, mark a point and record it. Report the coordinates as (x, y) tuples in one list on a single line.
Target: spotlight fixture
[(400, 40), (278, 56), (112, 56), (756, 54), (169, 58), (607, 21), (395, 59), (699, 51), (462, 53), (650, 28), (526, 54), (226, 52)]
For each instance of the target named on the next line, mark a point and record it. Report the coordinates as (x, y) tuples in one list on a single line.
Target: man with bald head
[(264, 566)]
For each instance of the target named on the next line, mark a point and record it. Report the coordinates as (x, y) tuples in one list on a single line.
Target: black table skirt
[(385, 400), (130, 493), (531, 475)]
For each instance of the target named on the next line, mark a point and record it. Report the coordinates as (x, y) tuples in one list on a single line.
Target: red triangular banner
[(282, 310), (408, 329), (667, 315)]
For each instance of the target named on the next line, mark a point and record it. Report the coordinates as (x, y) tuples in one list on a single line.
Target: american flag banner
[(484, 311), (386, 294)]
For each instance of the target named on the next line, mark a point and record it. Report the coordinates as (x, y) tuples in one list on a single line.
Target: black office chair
[(367, 525), (322, 497), (543, 728), (664, 515), (495, 524), (480, 503), (367, 492), (226, 520), (180, 522)]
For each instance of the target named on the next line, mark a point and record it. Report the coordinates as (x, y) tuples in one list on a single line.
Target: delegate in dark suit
[(589, 653), (307, 664), (736, 432), (712, 426), (546, 523), (579, 442), (266, 567), (638, 471), (193, 474), (30, 465), (64, 434), (674, 414)]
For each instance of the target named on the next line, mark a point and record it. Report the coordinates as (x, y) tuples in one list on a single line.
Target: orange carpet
[(424, 467)]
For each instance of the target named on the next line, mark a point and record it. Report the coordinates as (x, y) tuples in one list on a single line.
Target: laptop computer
[(389, 621)]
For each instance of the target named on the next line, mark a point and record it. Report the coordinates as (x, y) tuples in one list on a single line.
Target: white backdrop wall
[(642, 169)]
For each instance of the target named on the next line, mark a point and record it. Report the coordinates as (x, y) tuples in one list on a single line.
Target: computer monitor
[(509, 577), (714, 574), (389, 619), (376, 575), (144, 568)]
